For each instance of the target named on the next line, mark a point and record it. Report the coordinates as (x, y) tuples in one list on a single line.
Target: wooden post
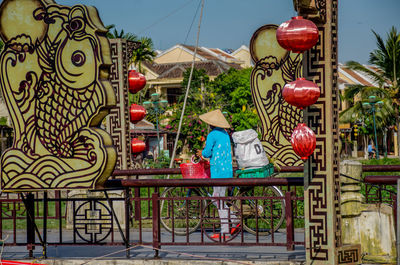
[(118, 120), (156, 223), (321, 198), (289, 221), (30, 223)]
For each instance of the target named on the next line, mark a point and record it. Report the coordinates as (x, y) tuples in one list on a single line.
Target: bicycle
[(263, 211)]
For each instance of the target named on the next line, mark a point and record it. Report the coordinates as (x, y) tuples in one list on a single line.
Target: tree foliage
[(229, 92), (234, 88), (145, 53), (386, 58), (114, 34)]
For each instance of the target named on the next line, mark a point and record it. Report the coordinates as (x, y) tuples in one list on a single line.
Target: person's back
[(371, 151), (218, 149)]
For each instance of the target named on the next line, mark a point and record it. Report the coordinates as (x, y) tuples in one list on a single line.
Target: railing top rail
[(177, 171), (284, 169), (380, 168), (149, 171), (121, 183), (384, 179)]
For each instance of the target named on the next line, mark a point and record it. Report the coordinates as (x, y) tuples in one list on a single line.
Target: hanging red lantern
[(303, 141), (297, 35), (137, 113), (301, 93), (137, 81), (137, 146)]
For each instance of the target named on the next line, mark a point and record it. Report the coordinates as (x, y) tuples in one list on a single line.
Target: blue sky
[(231, 23)]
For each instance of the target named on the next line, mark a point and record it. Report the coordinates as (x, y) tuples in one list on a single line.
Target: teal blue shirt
[(218, 149)]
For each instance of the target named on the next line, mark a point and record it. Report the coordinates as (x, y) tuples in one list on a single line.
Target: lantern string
[(190, 29), (187, 88), (165, 17)]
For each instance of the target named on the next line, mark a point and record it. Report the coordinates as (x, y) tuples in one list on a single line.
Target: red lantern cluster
[(137, 113), (297, 35), (137, 146), (137, 81), (301, 93)]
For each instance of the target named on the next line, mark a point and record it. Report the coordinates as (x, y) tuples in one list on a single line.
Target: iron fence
[(132, 214), (165, 212)]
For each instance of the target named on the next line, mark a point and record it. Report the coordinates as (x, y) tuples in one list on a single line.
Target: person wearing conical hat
[(218, 150)]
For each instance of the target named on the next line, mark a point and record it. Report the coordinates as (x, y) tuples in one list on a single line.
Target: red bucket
[(200, 170)]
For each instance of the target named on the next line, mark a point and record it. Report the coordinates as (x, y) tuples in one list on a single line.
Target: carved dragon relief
[(54, 71), (274, 68)]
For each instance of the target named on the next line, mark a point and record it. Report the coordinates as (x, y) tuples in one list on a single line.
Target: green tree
[(387, 59), (229, 92), (234, 91), (114, 34), (145, 53), (193, 131)]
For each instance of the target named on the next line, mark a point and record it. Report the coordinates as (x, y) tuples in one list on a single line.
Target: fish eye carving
[(78, 58)]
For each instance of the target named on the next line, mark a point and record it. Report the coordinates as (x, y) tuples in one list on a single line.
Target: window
[(173, 94)]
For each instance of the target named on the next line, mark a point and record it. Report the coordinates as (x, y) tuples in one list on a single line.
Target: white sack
[(249, 151)]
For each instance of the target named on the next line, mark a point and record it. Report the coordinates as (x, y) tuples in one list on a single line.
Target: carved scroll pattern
[(274, 68), (57, 95)]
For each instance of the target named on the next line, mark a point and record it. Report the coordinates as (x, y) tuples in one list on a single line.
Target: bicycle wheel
[(180, 214), (262, 215)]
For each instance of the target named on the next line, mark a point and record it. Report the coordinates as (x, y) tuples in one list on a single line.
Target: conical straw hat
[(215, 118)]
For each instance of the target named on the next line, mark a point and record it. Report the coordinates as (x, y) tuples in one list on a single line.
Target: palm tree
[(386, 58), (357, 114), (119, 35), (145, 53)]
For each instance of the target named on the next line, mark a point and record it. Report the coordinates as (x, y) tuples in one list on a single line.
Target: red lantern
[(301, 93), (137, 81), (303, 141), (137, 113), (137, 146), (297, 35)]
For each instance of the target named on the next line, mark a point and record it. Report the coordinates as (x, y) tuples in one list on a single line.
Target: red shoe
[(235, 229), (217, 236)]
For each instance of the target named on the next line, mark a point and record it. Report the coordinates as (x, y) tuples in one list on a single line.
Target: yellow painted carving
[(274, 68), (54, 81)]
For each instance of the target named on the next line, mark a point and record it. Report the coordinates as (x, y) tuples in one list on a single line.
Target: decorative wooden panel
[(54, 71), (274, 68), (322, 192), (349, 254), (117, 123)]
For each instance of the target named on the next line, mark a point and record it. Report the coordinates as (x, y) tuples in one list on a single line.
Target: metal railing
[(129, 211), (134, 216)]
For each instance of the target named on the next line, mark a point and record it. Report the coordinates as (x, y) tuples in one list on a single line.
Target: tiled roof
[(219, 52), (200, 52), (176, 70), (357, 77)]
